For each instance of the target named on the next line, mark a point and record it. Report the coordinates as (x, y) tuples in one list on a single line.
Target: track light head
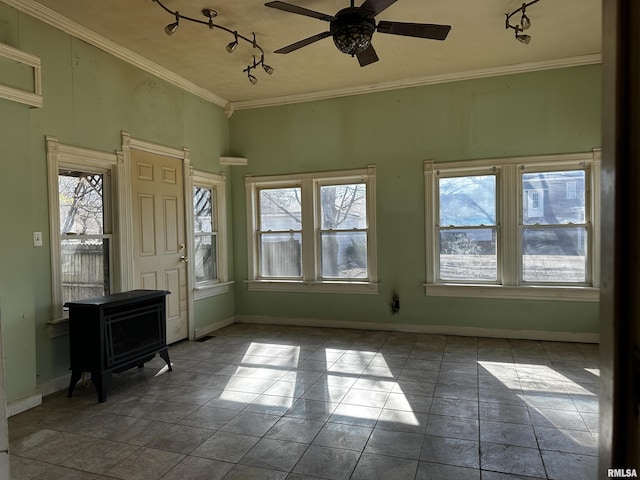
[(172, 27), (252, 79), (525, 22), (523, 38), (267, 68), (231, 47)]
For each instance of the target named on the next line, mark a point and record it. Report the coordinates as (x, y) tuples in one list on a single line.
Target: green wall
[(90, 97), (556, 111)]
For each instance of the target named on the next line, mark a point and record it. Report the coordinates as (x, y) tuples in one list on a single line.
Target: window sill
[(58, 327), (363, 288), (563, 294), (211, 290)]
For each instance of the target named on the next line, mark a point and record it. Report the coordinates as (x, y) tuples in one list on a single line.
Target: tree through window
[(313, 228), (84, 241)]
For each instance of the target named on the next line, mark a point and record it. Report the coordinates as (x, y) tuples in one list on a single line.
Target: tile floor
[(295, 403)]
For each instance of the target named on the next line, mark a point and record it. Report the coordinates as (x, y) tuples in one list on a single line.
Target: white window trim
[(217, 183), (311, 282), (508, 210), (66, 156)]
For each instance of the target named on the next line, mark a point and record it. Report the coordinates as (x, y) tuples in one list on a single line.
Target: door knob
[(184, 259)]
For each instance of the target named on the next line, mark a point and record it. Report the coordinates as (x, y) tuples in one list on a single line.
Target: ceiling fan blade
[(287, 7), (421, 30), (367, 56), (374, 7), (303, 43)]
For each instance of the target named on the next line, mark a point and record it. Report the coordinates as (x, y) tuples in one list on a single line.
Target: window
[(467, 228), (84, 238), (280, 232), (514, 228), (554, 239), (313, 232), (81, 233), (209, 240)]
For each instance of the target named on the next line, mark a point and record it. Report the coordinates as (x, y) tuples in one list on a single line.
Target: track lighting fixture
[(525, 22), (210, 14)]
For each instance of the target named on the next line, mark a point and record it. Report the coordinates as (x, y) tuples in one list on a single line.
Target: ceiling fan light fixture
[(351, 28), (352, 34)]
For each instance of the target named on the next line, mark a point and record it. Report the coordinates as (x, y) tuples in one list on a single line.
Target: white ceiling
[(564, 32)]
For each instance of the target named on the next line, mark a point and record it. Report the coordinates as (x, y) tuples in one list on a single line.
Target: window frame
[(217, 184), (497, 227), (60, 156), (260, 232), (509, 203), (311, 280)]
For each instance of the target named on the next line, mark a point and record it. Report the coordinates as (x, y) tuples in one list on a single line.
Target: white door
[(160, 253)]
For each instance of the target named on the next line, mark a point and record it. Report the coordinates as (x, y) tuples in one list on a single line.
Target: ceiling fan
[(352, 28)]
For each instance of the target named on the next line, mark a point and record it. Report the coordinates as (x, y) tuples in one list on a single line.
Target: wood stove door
[(160, 254)]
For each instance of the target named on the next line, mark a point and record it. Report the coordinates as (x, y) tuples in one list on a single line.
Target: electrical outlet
[(37, 239)]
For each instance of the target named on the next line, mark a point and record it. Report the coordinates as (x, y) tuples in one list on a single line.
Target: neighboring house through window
[(516, 228)]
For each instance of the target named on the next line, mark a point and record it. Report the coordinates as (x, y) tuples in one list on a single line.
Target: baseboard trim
[(201, 332), (23, 404), (579, 337), (55, 385)]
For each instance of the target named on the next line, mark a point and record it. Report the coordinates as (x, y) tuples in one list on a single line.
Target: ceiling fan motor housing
[(351, 31)]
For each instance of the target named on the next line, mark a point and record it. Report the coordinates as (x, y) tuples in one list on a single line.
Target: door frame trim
[(125, 212)]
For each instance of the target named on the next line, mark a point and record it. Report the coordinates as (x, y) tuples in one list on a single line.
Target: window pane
[(344, 255), (343, 206), (554, 255), (468, 254), (466, 201), (281, 255), (202, 209), (85, 268), (550, 198), (280, 209), (81, 203), (205, 258)]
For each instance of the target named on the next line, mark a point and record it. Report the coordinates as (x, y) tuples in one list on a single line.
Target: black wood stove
[(114, 333)]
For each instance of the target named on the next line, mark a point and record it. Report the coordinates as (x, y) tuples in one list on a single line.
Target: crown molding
[(421, 81), (56, 20), (39, 11)]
